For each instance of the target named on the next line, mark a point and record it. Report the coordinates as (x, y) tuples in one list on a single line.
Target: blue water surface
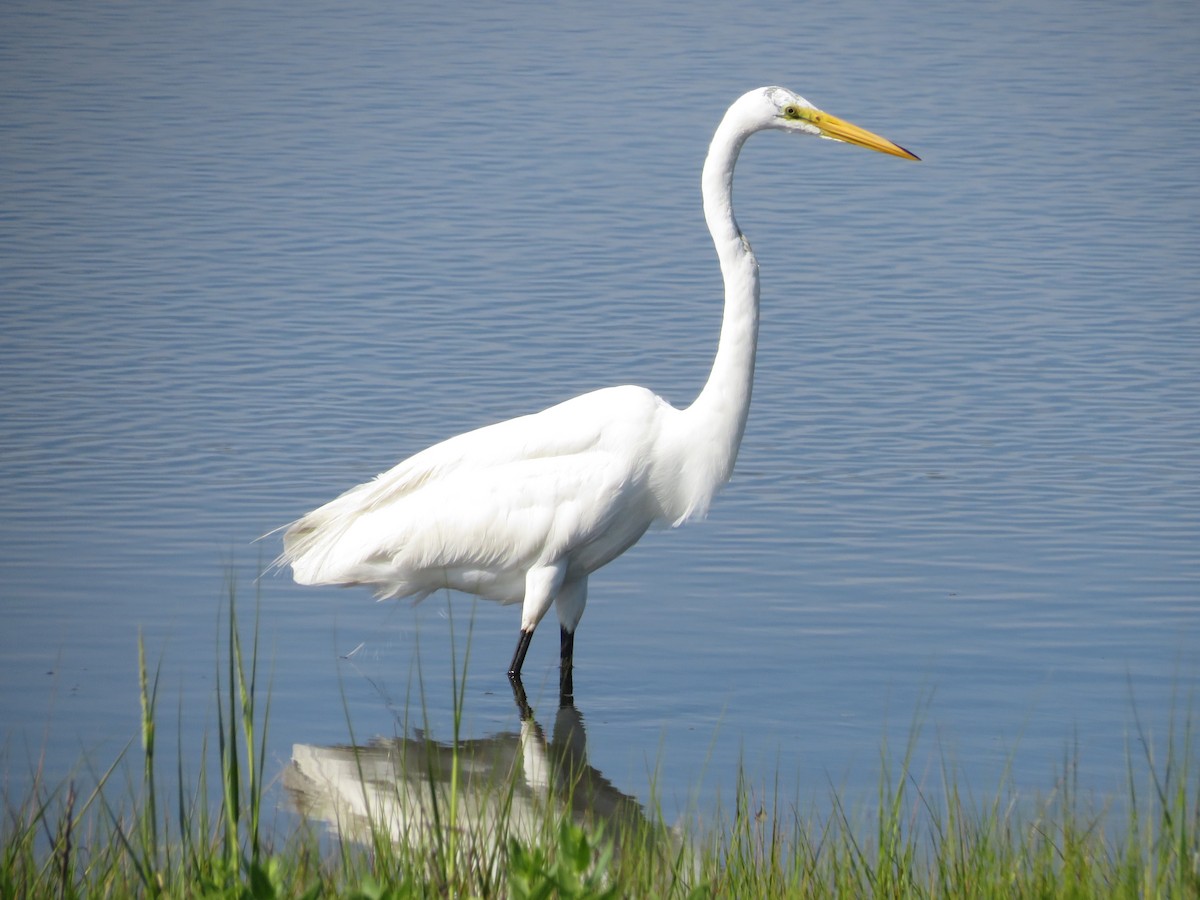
[(253, 254)]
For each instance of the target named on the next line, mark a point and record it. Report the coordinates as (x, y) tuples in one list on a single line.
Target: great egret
[(524, 511)]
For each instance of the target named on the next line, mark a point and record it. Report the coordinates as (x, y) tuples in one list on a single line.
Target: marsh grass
[(122, 840)]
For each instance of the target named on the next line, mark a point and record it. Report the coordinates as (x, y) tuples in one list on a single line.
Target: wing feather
[(484, 506)]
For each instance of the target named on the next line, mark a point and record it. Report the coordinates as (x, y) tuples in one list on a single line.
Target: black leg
[(566, 661), (518, 660), (566, 648), (518, 690)]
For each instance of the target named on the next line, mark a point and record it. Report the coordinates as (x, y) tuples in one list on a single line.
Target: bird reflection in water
[(509, 785)]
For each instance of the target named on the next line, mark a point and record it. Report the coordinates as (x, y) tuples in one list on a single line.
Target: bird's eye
[(791, 111)]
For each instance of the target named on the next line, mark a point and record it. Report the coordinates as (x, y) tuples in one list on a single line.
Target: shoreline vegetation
[(524, 816)]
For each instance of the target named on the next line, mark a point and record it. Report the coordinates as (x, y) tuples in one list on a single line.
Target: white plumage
[(524, 510), (575, 482)]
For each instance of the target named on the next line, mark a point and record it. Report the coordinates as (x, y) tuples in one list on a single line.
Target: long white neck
[(715, 422)]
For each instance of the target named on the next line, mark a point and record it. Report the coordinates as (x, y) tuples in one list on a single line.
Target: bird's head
[(780, 109)]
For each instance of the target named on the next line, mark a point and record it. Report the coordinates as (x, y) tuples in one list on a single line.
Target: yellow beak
[(841, 130)]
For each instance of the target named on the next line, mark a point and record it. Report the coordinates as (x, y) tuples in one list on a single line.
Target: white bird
[(525, 510)]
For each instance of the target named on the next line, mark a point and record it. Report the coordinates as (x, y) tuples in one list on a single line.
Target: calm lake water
[(251, 255)]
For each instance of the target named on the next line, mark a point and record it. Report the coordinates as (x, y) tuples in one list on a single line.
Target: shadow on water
[(514, 785)]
